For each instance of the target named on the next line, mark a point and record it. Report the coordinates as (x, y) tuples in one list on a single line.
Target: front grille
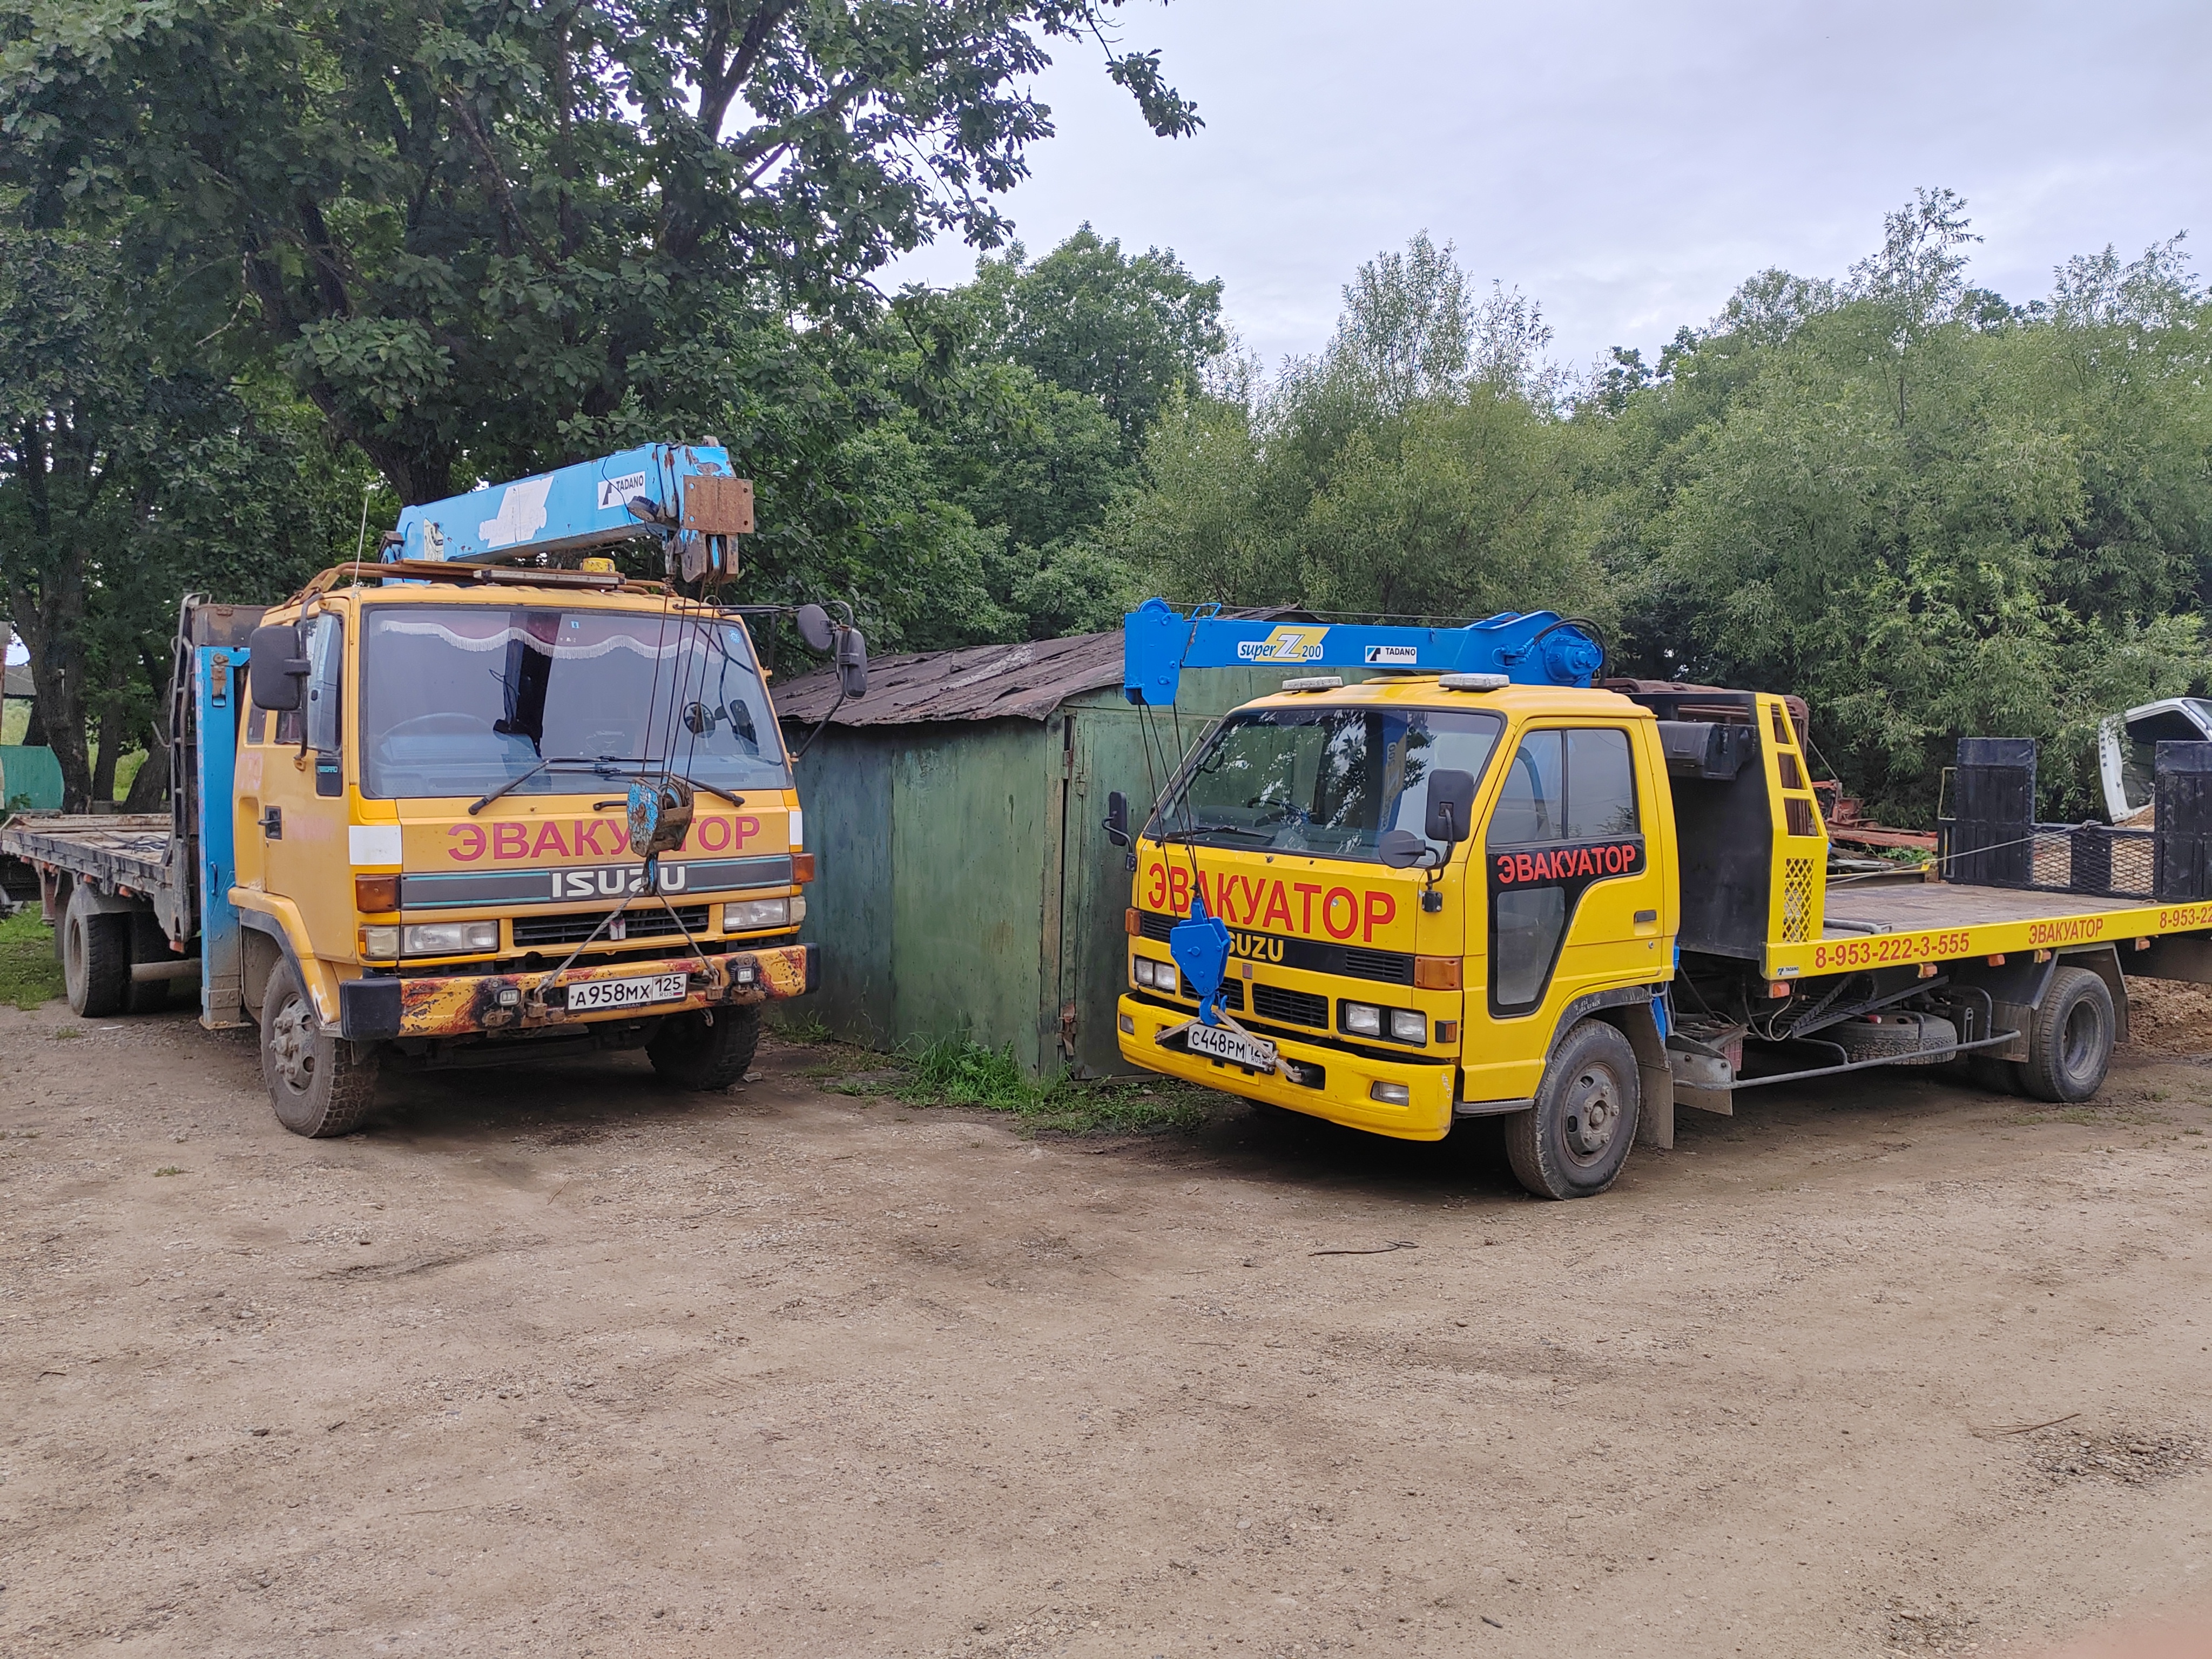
[(1385, 965), (575, 926), (1232, 993), (1288, 1007), (1151, 925)]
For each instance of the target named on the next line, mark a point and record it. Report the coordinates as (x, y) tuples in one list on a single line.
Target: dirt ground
[(553, 1362)]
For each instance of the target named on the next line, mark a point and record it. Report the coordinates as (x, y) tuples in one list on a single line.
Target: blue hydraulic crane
[(1534, 648), (686, 493)]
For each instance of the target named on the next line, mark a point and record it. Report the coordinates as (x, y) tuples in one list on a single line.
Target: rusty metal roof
[(978, 683)]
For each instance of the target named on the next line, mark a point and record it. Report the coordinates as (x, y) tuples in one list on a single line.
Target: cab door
[(1572, 899), (303, 811)]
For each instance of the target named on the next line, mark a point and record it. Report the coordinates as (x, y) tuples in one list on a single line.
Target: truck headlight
[(1409, 1025), (1142, 969), (380, 942), (749, 915), (1361, 1019), (447, 938)]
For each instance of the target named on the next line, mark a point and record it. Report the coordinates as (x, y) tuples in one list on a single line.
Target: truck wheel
[(2069, 1041), (706, 1050), (96, 957), (147, 944), (1574, 1141), (320, 1084)]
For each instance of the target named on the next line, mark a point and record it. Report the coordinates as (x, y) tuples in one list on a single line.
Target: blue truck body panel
[(218, 684)]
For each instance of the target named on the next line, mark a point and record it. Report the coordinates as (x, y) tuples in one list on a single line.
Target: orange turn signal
[(376, 894), (1437, 973), (1129, 924), (802, 867)]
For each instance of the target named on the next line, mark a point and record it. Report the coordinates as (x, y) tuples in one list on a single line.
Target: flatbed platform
[(121, 851), (1880, 925)]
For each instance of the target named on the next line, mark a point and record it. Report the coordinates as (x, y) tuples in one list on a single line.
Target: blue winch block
[(1533, 647), (1201, 948)]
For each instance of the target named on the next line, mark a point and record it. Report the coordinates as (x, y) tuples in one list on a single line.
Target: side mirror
[(814, 627), (852, 662), (1117, 819), (276, 668), (1451, 805), (1402, 849)]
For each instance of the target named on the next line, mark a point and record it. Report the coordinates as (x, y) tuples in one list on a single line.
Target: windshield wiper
[(1215, 830), (603, 764)]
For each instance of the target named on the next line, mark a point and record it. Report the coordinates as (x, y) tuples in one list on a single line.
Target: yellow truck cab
[(432, 844), (1451, 893)]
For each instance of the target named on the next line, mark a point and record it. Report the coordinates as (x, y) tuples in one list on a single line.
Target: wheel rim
[(2077, 1047), (1590, 1116), (72, 952), (291, 1046)]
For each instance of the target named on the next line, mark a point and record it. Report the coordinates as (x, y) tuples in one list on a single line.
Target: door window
[(1567, 816)]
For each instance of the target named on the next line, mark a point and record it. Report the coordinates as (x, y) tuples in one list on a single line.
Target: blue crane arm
[(680, 489), (1533, 648)]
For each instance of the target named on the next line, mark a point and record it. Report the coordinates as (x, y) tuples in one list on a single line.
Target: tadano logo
[(1299, 643), (616, 492)]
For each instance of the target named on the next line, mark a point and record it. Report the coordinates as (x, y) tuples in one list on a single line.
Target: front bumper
[(462, 1004), (1342, 1098)]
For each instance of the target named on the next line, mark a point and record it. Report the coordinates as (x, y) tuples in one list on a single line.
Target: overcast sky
[(1626, 162)]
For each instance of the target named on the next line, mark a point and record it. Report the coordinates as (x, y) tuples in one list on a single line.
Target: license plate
[(626, 993), (1219, 1043)]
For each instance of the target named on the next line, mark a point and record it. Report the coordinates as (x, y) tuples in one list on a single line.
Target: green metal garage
[(965, 880)]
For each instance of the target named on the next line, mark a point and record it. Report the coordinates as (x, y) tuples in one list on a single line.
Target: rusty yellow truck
[(470, 801)]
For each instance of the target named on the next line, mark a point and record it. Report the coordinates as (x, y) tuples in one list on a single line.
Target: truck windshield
[(1327, 782), (457, 700)]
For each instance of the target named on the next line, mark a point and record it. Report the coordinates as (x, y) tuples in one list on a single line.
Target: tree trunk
[(151, 786), (34, 733), (103, 765)]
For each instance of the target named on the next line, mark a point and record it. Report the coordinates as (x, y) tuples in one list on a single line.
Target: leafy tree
[(125, 478), (480, 236), (1126, 331), (1932, 513), (1413, 467)]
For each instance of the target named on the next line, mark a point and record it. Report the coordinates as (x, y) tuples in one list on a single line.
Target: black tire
[(707, 1049), (1573, 1143), (320, 1084), (96, 957), (2069, 1041), (148, 943)]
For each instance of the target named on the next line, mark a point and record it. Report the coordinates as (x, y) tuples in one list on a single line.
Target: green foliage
[(1931, 514), (1126, 331), (1416, 467), (956, 1071), (29, 975), (130, 471), (466, 229)]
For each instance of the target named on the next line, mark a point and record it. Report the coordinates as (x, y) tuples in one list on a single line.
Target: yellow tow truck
[(1482, 884), (482, 798)]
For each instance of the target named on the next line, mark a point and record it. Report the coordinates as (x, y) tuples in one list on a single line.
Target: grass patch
[(170, 1169), (956, 1071), (29, 975)]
